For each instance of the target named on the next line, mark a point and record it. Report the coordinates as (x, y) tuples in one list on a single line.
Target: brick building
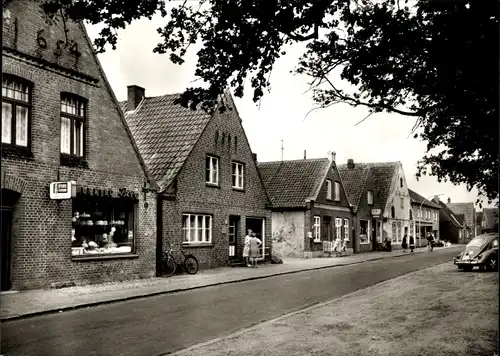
[(386, 214), (469, 213), (309, 205), (61, 122), (452, 226), (210, 189)]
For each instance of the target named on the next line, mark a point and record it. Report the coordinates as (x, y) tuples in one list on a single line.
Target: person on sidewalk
[(254, 249), (404, 244), (412, 243), (246, 248)]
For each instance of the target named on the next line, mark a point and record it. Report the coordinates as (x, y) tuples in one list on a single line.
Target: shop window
[(16, 112), (394, 232), (364, 232), (103, 226), (197, 228)]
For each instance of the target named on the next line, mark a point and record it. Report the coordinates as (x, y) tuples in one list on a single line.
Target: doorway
[(233, 233), (9, 199), (327, 229), (257, 225), (374, 235)]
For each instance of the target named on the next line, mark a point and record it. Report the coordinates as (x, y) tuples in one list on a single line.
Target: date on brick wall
[(70, 45)]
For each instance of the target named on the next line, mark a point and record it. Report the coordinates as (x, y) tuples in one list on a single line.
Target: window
[(72, 125), (338, 228), (364, 232), (369, 197), (393, 212), (346, 229), (337, 191), (238, 172), (317, 228), (411, 214), (419, 213), (16, 111), (196, 228), (394, 232), (401, 182), (102, 226), (328, 189), (399, 232), (212, 170), (402, 202)]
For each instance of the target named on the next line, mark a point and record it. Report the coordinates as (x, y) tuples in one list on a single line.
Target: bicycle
[(169, 263)]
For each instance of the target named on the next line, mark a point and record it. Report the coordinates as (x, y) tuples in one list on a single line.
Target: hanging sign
[(62, 190), (376, 212)]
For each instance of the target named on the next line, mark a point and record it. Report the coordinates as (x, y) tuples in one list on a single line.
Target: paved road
[(167, 323)]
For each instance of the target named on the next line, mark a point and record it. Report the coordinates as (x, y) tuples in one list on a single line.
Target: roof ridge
[(296, 160)]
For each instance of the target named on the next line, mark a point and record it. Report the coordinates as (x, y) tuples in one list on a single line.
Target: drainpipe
[(159, 234)]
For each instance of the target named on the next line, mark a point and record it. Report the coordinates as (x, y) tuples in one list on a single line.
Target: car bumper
[(469, 263)]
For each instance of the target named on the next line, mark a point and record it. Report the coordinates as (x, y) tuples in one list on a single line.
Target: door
[(327, 229), (233, 236), (374, 235), (5, 250), (258, 225)]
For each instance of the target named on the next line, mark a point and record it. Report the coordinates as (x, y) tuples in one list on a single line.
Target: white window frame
[(73, 112), (338, 228), (369, 197), (16, 94), (317, 228), (329, 189), (212, 168), (337, 191), (346, 230), (192, 230), (418, 213), (238, 175)]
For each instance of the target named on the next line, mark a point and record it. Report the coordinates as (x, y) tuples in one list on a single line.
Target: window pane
[(6, 122), (65, 135), (78, 138), (21, 126), (215, 171), (185, 227), (208, 228), (199, 228)]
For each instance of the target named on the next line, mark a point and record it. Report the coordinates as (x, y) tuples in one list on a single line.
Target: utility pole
[(282, 150)]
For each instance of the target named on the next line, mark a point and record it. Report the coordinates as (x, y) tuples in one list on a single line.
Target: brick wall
[(194, 196), (41, 238)]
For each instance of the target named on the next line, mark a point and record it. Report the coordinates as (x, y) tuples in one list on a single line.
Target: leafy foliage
[(433, 61)]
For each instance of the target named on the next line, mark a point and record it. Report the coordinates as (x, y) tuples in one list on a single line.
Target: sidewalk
[(35, 302)]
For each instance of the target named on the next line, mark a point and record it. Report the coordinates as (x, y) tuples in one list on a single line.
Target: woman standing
[(404, 244), (246, 248), (254, 249), (412, 243)]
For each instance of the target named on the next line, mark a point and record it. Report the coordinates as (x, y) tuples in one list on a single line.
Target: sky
[(281, 114)]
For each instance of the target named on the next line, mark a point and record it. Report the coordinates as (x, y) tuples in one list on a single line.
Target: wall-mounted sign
[(310, 234), (62, 190), (376, 212)]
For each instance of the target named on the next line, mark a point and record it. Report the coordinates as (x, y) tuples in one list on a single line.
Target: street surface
[(425, 316), (167, 323)]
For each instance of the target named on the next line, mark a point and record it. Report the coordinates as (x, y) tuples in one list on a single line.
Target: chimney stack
[(135, 94), (304, 154), (254, 155), (350, 163), (333, 156), (449, 200)]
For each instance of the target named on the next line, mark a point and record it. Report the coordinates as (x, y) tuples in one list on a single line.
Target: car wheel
[(492, 264), (467, 268)]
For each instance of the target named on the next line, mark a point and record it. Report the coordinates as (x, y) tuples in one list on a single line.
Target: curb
[(256, 325), (147, 295)]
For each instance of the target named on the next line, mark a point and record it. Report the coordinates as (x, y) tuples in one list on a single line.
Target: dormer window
[(369, 197)]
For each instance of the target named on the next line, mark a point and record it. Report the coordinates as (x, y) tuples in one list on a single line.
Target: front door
[(233, 236), (5, 250)]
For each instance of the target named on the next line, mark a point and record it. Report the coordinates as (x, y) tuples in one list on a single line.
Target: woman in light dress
[(246, 248), (255, 243)]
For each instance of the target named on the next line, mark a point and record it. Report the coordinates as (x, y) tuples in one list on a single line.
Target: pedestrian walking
[(404, 243), (255, 243), (412, 243), (430, 241), (246, 248)]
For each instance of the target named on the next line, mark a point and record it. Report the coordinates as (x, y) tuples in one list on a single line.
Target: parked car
[(481, 251), (439, 243)]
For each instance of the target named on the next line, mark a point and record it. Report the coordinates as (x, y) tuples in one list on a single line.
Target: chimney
[(350, 163), (304, 154), (135, 94), (254, 155), (333, 156), (449, 200)]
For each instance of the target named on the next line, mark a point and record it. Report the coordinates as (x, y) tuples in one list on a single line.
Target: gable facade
[(216, 194), (65, 125), (425, 218)]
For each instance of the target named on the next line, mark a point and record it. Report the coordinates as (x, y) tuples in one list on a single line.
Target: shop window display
[(102, 226)]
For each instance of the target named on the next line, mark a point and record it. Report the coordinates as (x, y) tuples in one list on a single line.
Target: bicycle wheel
[(191, 265), (168, 267)]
